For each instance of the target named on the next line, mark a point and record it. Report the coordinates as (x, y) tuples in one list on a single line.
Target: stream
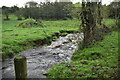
[(41, 59)]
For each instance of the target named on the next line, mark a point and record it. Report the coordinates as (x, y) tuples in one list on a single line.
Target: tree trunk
[(88, 23), (7, 17)]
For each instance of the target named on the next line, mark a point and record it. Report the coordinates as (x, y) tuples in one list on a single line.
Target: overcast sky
[(21, 3)]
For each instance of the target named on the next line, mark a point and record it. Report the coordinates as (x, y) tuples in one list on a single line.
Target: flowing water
[(41, 59)]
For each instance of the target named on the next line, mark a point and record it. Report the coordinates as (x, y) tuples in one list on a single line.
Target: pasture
[(14, 37)]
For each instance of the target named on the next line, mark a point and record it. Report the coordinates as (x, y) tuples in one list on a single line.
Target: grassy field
[(101, 55), (13, 37)]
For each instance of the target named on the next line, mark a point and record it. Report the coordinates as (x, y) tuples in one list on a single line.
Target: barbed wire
[(89, 67)]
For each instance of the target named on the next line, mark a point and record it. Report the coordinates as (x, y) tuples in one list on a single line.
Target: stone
[(68, 58), (73, 46), (74, 41), (61, 55), (70, 48), (45, 73)]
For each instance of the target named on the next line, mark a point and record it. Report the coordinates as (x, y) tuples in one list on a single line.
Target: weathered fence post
[(20, 66)]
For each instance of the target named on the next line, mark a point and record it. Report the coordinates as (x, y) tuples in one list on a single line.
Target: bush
[(30, 23)]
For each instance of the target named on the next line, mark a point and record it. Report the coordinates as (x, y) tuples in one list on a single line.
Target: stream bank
[(35, 43), (41, 59)]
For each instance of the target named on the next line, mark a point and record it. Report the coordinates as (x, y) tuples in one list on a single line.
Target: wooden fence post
[(20, 66)]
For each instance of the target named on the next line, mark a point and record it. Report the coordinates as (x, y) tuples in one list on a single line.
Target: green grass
[(101, 54), (19, 57), (13, 37), (78, 5), (110, 22), (11, 17)]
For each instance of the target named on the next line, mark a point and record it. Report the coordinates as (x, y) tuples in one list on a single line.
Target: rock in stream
[(41, 59)]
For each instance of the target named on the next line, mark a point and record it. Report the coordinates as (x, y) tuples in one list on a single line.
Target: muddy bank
[(49, 39)]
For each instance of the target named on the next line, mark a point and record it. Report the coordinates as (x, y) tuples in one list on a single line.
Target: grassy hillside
[(14, 37), (103, 54)]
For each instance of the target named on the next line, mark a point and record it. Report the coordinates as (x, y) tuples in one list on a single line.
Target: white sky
[(21, 3)]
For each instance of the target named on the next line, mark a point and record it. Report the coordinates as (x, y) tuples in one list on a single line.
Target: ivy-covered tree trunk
[(99, 16), (88, 23)]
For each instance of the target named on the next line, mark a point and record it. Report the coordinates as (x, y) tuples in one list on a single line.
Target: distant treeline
[(54, 10), (44, 10), (57, 10)]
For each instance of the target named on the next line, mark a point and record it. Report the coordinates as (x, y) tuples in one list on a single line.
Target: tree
[(105, 11), (31, 10), (19, 14), (13, 9), (62, 10), (114, 8), (118, 15), (89, 19), (99, 12), (47, 10), (32, 4), (76, 10), (6, 11), (68, 10), (26, 13)]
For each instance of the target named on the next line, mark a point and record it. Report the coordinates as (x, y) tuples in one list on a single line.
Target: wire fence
[(89, 67)]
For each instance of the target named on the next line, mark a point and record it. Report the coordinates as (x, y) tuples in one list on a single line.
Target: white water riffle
[(41, 59)]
